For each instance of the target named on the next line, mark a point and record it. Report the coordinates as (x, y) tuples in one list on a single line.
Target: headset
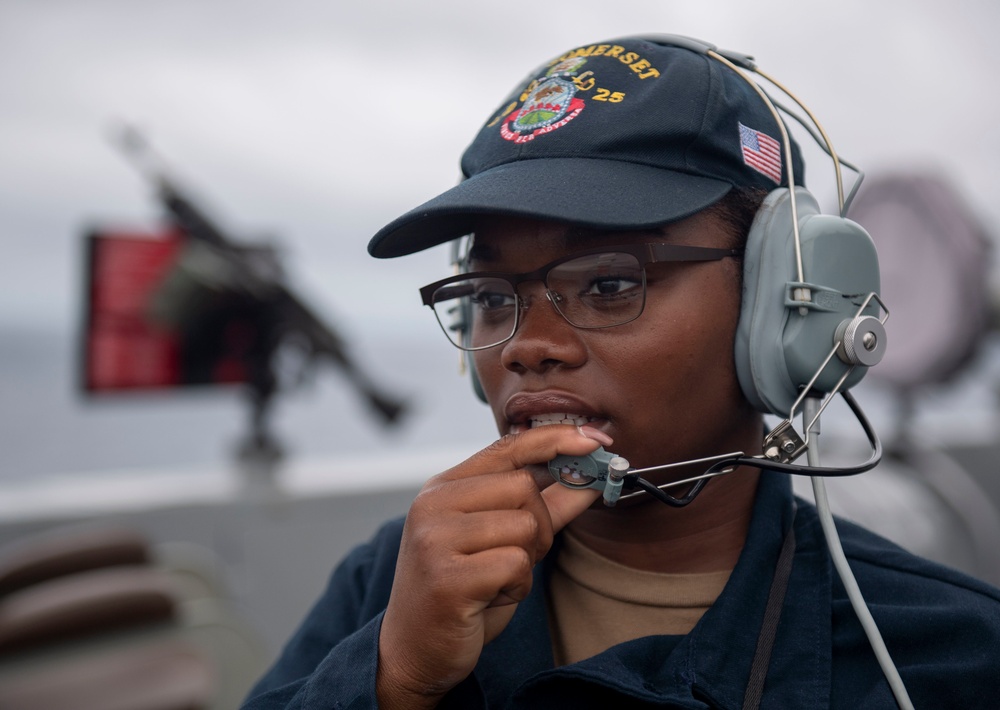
[(810, 319), (811, 324)]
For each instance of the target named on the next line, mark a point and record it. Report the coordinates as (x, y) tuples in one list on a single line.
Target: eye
[(493, 300), (611, 285)]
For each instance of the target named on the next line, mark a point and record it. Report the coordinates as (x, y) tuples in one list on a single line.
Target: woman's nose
[(543, 338)]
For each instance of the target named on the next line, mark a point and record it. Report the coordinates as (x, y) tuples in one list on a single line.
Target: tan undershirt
[(595, 603)]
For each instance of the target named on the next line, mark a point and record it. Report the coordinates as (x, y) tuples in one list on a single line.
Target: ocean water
[(48, 426)]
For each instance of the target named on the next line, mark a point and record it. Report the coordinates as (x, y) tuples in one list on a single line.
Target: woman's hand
[(471, 539)]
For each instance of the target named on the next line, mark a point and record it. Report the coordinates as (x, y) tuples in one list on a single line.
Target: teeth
[(558, 418)]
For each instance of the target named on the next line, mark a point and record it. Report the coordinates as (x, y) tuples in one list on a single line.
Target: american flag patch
[(761, 152)]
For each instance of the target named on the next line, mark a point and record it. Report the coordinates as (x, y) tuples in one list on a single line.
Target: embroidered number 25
[(605, 95)]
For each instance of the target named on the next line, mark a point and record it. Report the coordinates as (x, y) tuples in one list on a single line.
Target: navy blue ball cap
[(626, 134)]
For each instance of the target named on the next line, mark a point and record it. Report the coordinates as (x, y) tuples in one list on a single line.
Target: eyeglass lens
[(591, 291)]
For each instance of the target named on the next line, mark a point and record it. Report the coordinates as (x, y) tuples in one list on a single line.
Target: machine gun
[(217, 281)]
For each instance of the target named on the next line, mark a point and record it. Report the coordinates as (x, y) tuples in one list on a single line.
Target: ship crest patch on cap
[(550, 105)]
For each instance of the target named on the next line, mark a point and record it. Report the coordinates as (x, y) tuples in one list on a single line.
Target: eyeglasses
[(597, 288)]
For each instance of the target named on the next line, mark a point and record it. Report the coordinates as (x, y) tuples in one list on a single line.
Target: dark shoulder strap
[(769, 628)]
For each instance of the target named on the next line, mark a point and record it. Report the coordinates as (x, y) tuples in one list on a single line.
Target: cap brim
[(595, 193)]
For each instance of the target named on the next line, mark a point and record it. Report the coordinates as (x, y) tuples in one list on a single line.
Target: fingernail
[(596, 435)]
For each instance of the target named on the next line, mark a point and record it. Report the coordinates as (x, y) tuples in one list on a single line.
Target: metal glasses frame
[(648, 253)]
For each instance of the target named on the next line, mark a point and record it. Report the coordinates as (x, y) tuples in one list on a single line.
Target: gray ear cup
[(782, 342)]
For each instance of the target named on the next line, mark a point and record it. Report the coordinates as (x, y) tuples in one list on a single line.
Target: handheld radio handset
[(611, 473), (602, 470)]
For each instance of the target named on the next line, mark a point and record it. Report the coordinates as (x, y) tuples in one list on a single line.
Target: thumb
[(565, 504)]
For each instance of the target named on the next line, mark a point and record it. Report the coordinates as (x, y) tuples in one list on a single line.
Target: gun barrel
[(294, 315)]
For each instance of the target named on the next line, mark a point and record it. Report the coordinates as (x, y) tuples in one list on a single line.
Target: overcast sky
[(317, 121)]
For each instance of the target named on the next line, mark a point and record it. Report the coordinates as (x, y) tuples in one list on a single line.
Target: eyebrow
[(586, 237), (576, 236)]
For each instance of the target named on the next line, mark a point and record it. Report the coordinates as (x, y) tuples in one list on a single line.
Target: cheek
[(683, 356), (487, 368), (698, 324), (484, 363)]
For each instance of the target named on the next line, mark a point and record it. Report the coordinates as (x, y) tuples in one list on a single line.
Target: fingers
[(468, 515), (564, 504), (503, 576), (487, 530), (500, 478), (516, 451), (503, 490), (537, 519), (471, 539)]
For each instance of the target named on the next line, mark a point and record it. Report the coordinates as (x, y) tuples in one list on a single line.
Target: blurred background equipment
[(936, 260), (934, 492), (98, 618), (189, 306)]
